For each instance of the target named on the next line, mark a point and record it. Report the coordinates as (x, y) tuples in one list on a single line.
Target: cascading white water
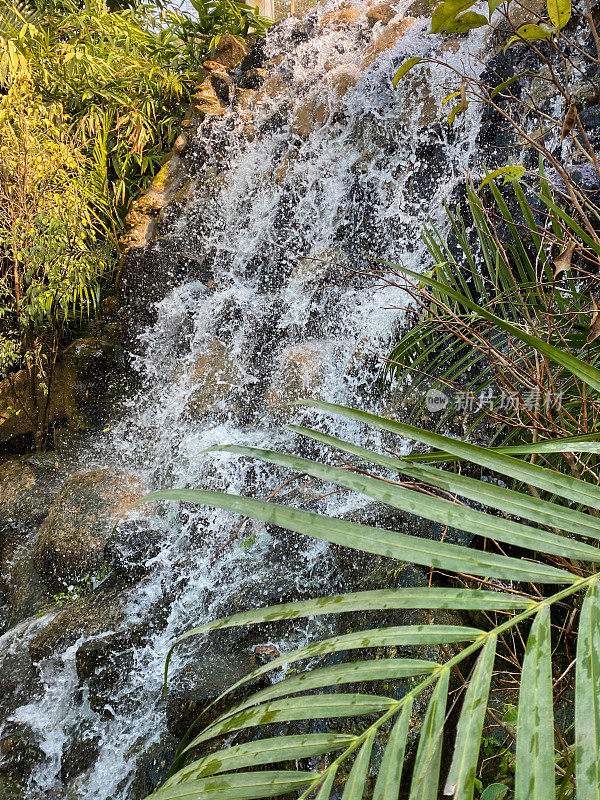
[(269, 324)]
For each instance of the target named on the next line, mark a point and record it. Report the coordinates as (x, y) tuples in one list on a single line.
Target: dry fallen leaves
[(562, 262)]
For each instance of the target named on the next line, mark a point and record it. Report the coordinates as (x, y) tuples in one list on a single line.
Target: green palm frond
[(549, 537)]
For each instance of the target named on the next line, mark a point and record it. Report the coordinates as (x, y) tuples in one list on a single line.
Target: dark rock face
[(93, 369), (202, 680), (79, 752), (20, 752)]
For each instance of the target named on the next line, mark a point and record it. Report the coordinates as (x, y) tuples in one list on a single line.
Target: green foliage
[(53, 256), (503, 261), (121, 76)]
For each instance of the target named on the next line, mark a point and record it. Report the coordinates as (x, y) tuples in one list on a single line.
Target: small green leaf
[(530, 33), (406, 67), (452, 115), (493, 5), (450, 97), (505, 84), (495, 791), (466, 22), (559, 12), (447, 12), (512, 173)]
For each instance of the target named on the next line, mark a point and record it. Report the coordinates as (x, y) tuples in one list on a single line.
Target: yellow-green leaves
[(587, 698), (534, 765), (559, 12), (531, 33), (446, 14), (466, 22), (406, 67), (512, 173)]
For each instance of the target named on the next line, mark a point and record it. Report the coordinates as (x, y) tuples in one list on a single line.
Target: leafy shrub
[(53, 256), (121, 74)]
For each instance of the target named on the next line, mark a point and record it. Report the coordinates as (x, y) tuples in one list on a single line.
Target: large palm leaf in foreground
[(560, 541)]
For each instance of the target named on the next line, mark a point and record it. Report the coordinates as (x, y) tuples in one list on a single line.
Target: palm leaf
[(587, 698), (389, 776), (461, 778), (534, 764)]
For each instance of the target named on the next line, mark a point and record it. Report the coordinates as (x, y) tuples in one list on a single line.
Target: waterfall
[(285, 201)]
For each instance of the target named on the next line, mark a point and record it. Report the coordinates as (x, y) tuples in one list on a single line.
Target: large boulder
[(70, 544), (28, 487)]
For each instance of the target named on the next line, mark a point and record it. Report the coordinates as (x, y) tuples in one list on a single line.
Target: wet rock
[(70, 544), (222, 83), (97, 613), (28, 487), (229, 52), (382, 12), (79, 752), (133, 544), (202, 680), (311, 114), (254, 78), (90, 366), (298, 374), (341, 18), (26, 593), (19, 679), (214, 375), (386, 39), (20, 414), (153, 765), (103, 664), (205, 101), (273, 87), (243, 98), (20, 752), (341, 80)]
